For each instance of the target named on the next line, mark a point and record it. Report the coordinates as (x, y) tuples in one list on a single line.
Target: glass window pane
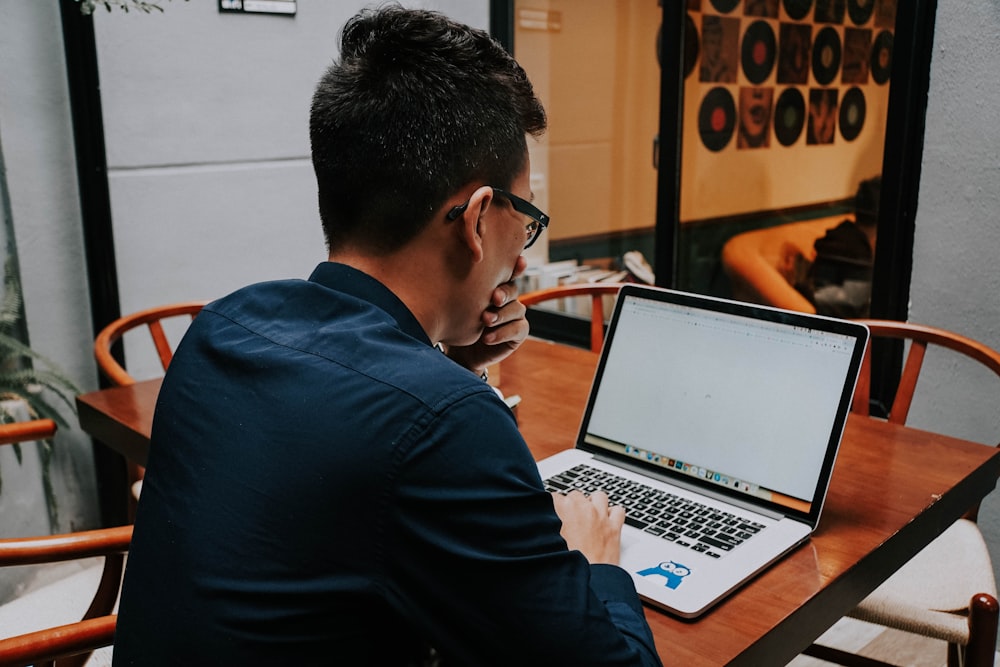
[(783, 129)]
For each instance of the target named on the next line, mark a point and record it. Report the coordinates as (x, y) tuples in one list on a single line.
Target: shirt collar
[(348, 280)]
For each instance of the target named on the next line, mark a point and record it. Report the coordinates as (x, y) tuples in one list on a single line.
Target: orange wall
[(597, 75)]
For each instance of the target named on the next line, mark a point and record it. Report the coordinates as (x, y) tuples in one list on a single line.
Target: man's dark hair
[(416, 106), (866, 201)]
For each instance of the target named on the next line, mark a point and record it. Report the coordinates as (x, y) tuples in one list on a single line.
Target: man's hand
[(590, 526), (506, 328)]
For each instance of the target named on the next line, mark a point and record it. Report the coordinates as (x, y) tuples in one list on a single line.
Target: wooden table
[(893, 490)]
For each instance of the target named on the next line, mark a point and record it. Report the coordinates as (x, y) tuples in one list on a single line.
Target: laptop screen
[(750, 401)]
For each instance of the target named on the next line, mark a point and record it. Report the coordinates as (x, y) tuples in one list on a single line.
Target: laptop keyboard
[(685, 522)]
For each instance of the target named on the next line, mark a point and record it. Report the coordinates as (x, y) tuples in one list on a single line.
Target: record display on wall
[(821, 123), (766, 8), (789, 116), (829, 11), (860, 10), (885, 14), (758, 53), (857, 55), (794, 51), (797, 9), (717, 119), (826, 55), (882, 57), (725, 6), (852, 113), (754, 128), (720, 49)]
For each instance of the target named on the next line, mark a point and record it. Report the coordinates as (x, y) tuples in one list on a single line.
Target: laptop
[(716, 424)]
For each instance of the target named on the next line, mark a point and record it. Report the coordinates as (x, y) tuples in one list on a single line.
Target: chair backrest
[(152, 318), (74, 641), (596, 292), (919, 337)]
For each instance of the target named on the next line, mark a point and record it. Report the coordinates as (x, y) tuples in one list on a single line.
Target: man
[(325, 486), (839, 280)]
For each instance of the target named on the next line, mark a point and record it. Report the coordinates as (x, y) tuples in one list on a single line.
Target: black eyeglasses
[(537, 221)]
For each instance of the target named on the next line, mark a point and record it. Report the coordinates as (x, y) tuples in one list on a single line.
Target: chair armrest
[(37, 429), (68, 546), (59, 642)]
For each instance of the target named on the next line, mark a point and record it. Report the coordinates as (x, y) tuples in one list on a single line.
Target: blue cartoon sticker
[(672, 572)]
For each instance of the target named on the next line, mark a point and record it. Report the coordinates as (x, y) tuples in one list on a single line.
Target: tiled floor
[(898, 648), (66, 600)]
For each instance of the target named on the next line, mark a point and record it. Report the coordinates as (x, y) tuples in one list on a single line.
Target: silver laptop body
[(734, 411)]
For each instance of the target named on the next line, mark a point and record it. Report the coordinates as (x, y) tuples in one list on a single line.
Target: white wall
[(955, 281), (206, 127), (37, 142), (206, 118)]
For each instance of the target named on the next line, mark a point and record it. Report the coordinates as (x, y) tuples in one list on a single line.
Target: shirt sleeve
[(473, 552)]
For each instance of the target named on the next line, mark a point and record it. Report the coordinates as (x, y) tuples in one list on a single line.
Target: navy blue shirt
[(325, 487)]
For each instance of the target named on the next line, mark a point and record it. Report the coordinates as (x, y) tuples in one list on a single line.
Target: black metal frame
[(901, 164), (80, 48)]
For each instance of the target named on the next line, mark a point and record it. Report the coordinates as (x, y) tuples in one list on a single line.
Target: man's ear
[(471, 224)]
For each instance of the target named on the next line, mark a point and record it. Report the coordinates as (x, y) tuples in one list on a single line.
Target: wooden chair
[(152, 319), (596, 292), (74, 641), (947, 591)]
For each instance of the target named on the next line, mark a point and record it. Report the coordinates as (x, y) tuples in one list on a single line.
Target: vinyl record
[(797, 9), (691, 45), (852, 114), (882, 57), (725, 6), (717, 119), (860, 10), (789, 116), (826, 56), (757, 56)]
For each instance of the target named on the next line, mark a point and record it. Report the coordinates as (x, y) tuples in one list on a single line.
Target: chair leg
[(108, 588), (102, 604), (983, 614), (956, 655)]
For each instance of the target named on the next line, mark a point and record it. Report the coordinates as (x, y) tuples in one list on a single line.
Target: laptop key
[(660, 513), (718, 544), (555, 485)]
